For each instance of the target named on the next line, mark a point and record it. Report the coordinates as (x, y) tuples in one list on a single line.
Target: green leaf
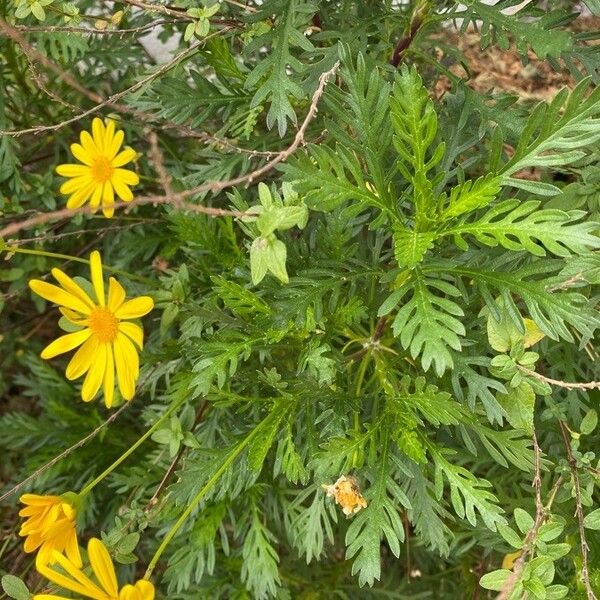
[(519, 403), (583, 268), (495, 580), (15, 587), (589, 422), (594, 6), (411, 246), (427, 323), (467, 493), (471, 195), (270, 77), (556, 592), (259, 570), (38, 11), (268, 254), (260, 446), (415, 126), (550, 530), (379, 520), (526, 28), (592, 520), (510, 535), (517, 225), (557, 134), (524, 520), (552, 312)]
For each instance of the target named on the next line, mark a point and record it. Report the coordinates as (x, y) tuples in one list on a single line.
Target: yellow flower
[(99, 177), (50, 526), (107, 340), (106, 586)]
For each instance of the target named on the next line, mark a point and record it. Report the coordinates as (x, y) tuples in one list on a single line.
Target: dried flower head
[(346, 493)]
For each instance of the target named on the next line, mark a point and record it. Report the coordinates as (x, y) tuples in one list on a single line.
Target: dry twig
[(589, 385), (585, 575)]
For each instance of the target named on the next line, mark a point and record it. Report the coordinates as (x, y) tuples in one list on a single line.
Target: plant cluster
[(368, 361)]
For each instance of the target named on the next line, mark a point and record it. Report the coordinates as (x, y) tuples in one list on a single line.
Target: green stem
[(86, 490), (18, 250), (359, 382), (196, 500)]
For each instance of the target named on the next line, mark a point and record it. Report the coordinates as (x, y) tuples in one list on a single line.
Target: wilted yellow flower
[(509, 559), (49, 526), (106, 586), (106, 339), (100, 176), (346, 493)]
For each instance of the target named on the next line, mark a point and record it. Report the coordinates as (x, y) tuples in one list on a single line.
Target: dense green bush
[(371, 367)]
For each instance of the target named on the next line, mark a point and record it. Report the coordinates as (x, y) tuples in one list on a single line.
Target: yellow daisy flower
[(100, 176), (106, 340), (106, 586), (50, 526)]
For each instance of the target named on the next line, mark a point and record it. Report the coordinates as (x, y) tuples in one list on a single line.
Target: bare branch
[(585, 576), (590, 385)]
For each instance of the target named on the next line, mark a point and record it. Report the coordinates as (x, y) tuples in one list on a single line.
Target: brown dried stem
[(589, 385), (585, 575)]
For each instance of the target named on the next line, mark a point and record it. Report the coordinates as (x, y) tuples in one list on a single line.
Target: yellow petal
[(123, 157), (122, 190), (146, 589), (38, 500), (98, 134), (109, 378), (129, 593), (72, 549), (32, 543), (71, 170), (133, 309), (96, 196), (59, 296), (125, 176), (82, 155), (103, 567), (125, 370), (49, 597), (109, 132), (75, 184), (88, 144), (108, 199), (81, 196), (70, 286), (82, 359), (115, 145), (133, 331), (76, 581), (116, 295), (65, 343), (95, 375), (97, 276)]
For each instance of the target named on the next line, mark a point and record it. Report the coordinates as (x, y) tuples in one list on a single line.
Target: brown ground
[(493, 69)]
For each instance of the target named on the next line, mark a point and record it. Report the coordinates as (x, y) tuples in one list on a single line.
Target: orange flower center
[(101, 169), (104, 324)]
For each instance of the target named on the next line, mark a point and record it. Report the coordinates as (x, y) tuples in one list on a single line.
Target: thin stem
[(64, 453), (87, 489), (203, 491), (19, 250)]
